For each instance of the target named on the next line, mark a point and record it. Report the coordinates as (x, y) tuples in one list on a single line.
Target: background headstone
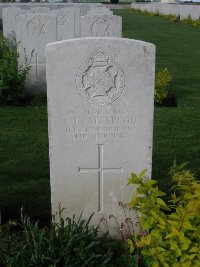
[(183, 11), (195, 12), (9, 20), (101, 26), (99, 11), (100, 115), (169, 9), (65, 23), (34, 31), (40, 9), (29, 5), (169, 1)]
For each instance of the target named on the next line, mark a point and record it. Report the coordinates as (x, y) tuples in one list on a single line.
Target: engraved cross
[(36, 65), (100, 170)]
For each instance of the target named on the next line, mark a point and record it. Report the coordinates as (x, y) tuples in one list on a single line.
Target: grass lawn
[(176, 130), (24, 166)]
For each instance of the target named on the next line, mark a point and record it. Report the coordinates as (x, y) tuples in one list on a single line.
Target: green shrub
[(67, 243), (134, 9), (172, 18), (1, 25), (12, 76), (114, 1), (194, 23), (169, 230), (152, 14), (40, 99), (163, 78)]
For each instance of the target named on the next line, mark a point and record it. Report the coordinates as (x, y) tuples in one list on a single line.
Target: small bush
[(1, 25), (114, 1), (169, 230), (163, 78), (12, 76), (194, 23), (40, 99), (67, 243), (172, 18)]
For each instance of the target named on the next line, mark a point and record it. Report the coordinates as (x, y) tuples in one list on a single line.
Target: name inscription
[(98, 124)]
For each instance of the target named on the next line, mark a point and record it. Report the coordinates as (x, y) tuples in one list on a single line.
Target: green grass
[(176, 130), (24, 167)]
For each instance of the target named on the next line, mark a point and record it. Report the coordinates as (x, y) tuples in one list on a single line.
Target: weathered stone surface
[(83, 6), (195, 12), (169, 9), (101, 26), (9, 20), (65, 23), (170, 1), (99, 11), (34, 31), (40, 9), (184, 11), (10, 14), (100, 115)]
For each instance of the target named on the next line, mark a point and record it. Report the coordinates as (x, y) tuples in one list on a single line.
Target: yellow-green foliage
[(172, 18), (163, 78), (194, 23), (169, 17), (170, 230)]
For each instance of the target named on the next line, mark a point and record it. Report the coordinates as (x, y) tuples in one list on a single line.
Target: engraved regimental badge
[(36, 27), (61, 19), (99, 80), (101, 27)]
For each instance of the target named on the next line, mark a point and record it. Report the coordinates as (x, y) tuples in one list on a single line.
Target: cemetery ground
[(24, 163)]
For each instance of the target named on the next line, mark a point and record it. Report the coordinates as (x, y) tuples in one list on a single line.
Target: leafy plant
[(66, 243), (1, 25), (172, 18), (114, 1), (194, 23), (163, 78), (40, 99), (169, 230), (12, 76)]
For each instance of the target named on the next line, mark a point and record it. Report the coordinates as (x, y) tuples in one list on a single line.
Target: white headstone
[(150, 7), (27, 6), (9, 20), (185, 11), (136, 5), (195, 12), (40, 9), (169, 9), (34, 31), (77, 21), (99, 11), (100, 114), (101, 26), (170, 1), (65, 23), (144, 7)]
